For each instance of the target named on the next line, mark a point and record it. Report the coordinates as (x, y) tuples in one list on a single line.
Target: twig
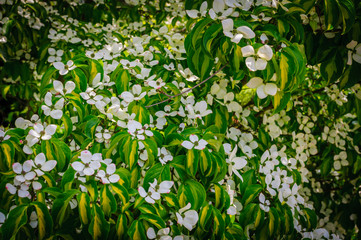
[(170, 97)]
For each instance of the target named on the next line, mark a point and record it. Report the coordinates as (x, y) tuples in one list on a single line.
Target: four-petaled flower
[(88, 164), (187, 218), (195, 143), (64, 68)]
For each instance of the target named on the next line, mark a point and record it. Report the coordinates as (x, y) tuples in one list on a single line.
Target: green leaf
[(159, 172), (153, 219), (141, 113), (122, 81), (90, 126), (348, 14), (137, 231), (107, 201), (121, 191), (274, 220), (45, 222), (68, 126), (332, 69), (205, 216), (60, 205), (8, 151), (209, 37), (45, 80), (99, 227), (331, 14), (80, 79), (192, 160), (17, 218), (311, 218), (251, 193), (84, 207), (121, 226), (191, 192), (219, 225), (131, 153)]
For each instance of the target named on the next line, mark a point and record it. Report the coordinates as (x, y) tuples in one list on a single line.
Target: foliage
[(170, 119)]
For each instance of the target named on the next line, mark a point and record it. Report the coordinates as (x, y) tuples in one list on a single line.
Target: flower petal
[(49, 165)]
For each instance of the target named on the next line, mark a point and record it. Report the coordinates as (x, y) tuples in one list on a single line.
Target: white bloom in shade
[(163, 234), (197, 14), (91, 97), (59, 87), (156, 84), (194, 142), (42, 165), (55, 111), (2, 218), (354, 52), (259, 61), (264, 204), (236, 163), (149, 196), (135, 95), (219, 10), (188, 75), (3, 135), (33, 219), (109, 175), (89, 163), (64, 68), (236, 34), (164, 155), (263, 90), (187, 218), (164, 187), (23, 171), (21, 189), (55, 55), (40, 133)]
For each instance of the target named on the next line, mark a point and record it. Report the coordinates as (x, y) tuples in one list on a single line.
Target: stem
[(170, 97)]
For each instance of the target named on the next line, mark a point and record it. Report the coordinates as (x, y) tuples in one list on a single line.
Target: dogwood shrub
[(170, 119)]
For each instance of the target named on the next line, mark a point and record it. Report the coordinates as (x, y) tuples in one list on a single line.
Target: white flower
[(149, 196), (135, 95), (102, 134), (164, 155), (264, 204), (21, 189), (163, 234), (156, 84), (236, 34), (187, 218), (2, 218), (109, 175), (164, 187), (23, 171), (259, 61), (197, 14), (42, 165), (64, 68), (39, 133), (195, 142), (167, 112), (33, 219), (3, 135), (263, 90), (89, 163), (55, 55), (55, 111), (354, 52), (219, 10), (236, 163), (59, 87)]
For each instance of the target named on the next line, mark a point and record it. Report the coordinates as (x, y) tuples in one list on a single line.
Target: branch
[(170, 97)]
